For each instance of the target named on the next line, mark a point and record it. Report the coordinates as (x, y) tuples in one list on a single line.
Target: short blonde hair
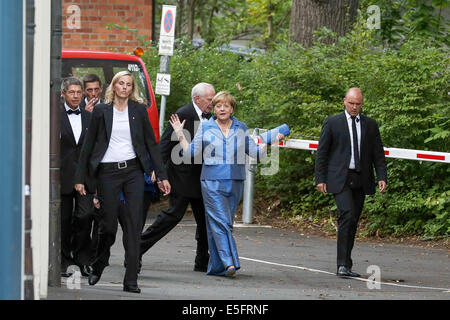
[(224, 97), (134, 95)]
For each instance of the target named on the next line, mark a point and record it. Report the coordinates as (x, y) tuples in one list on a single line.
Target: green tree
[(403, 19)]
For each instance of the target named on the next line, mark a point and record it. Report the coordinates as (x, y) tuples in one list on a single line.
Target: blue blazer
[(223, 158)]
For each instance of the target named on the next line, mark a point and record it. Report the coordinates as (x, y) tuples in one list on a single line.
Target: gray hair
[(65, 83), (200, 89)]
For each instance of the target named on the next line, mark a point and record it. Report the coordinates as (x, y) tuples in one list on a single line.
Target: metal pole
[(30, 26), (164, 67), (11, 142), (247, 210), (162, 111), (54, 270)]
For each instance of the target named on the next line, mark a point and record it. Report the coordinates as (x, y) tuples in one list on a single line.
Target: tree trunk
[(179, 19), (270, 9), (310, 15), (191, 16), (207, 10)]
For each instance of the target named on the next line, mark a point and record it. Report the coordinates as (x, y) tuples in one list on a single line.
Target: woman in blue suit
[(223, 141)]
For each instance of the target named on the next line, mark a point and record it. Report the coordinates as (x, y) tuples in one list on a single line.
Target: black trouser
[(111, 182), (77, 212), (122, 211), (167, 220), (350, 202)]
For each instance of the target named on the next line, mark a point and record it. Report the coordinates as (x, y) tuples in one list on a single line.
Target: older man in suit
[(184, 179), (76, 209), (349, 149)]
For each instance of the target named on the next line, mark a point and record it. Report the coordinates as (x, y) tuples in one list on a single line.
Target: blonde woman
[(115, 156), (223, 141)]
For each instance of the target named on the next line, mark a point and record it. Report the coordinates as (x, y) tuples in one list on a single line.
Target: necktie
[(204, 116), (77, 111), (355, 145)]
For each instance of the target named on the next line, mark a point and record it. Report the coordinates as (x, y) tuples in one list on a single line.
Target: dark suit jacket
[(99, 134), (184, 178), (334, 152), (69, 149)]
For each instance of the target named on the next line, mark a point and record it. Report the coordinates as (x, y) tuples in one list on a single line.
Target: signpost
[(166, 40), (163, 84), (167, 33)]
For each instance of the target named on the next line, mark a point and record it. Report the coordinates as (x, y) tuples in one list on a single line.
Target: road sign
[(167, 33), (162, 84)]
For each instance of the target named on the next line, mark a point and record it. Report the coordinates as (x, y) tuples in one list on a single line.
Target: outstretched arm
[(178, 128)]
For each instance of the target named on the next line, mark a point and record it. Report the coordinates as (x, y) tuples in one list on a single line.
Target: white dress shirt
[(75, 122), (120, 146), (358, 130), (199, 112)]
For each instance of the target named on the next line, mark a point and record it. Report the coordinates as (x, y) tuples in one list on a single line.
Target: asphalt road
[(275, 265)]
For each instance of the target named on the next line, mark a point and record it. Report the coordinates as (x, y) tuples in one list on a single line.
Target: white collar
[(69, 108), (198, 110), (349, 116)]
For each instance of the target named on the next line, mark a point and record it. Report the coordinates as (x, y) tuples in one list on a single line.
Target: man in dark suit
[(184, 179), (349, 149), (91, 97), (76, 210)]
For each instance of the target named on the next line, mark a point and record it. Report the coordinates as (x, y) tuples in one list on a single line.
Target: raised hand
[(176, 124), (90, 105)]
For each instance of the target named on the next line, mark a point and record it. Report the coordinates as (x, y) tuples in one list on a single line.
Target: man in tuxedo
[(76, 210), (349, 149), (92, 92), (184, 179)]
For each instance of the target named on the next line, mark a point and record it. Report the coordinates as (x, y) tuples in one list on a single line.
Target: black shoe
[(131, 288), (94, 277), (200, 268), (85, 270), (343, 271)]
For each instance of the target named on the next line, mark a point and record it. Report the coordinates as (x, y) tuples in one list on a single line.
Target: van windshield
[(106, 69)]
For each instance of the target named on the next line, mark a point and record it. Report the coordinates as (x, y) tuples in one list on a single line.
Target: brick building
[(85, 24)]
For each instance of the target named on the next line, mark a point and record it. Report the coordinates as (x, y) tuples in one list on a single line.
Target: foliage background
[(405, 89)]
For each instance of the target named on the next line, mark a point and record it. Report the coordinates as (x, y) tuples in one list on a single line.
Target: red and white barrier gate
[(409, 154), (312, 145)]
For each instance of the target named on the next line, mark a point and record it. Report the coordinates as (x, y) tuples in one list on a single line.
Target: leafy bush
[(405, 90)]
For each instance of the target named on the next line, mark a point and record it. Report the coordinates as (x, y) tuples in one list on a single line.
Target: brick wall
[(85, 24)]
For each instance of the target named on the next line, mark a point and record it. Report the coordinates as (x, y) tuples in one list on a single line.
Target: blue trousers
[(221, 199)]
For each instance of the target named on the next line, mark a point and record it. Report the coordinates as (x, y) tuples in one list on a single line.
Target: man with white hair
[(184, 179)]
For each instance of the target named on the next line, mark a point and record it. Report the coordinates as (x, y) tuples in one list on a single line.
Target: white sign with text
[(162, 84)]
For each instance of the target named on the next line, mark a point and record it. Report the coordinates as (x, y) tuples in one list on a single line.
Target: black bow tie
[(204, 115), (77, 111)]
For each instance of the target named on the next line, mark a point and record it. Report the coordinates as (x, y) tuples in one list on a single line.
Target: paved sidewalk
[(275, 265)]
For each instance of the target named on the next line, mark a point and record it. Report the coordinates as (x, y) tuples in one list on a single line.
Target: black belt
[(354, 171), (118, 165)]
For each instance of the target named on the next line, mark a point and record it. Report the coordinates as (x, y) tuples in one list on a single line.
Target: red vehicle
[(78, 63)]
